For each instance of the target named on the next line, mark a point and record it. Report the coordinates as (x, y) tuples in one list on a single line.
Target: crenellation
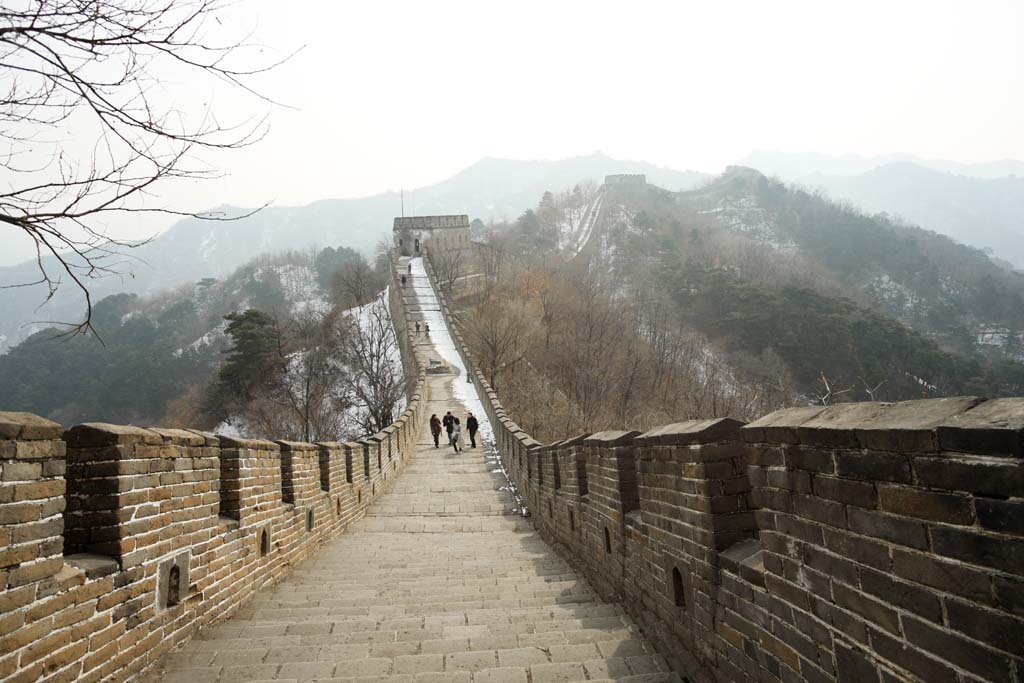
[(854, 542), (119, 543)]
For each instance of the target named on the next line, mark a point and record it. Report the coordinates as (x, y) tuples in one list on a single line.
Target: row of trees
[(310, 377), (573, 347)]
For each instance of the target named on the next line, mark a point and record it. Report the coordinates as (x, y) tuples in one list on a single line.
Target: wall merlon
[(295, 445), (16, 426), (94, 434), (529, 442), (238, 443), (611, 438), (183, 437), (692, 432), (995, 427), (780, 426)]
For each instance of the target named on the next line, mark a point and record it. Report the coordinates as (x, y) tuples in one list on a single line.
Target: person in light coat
[(457, 436)]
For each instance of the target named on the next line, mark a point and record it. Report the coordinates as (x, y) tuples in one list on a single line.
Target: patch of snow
[(904, 301), (206, 340), (991, 336), (299, 286), (744, 215), (232, 427), (582, 237), (464, 391)]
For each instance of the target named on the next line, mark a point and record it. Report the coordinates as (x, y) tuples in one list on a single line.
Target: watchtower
[(412, 233)]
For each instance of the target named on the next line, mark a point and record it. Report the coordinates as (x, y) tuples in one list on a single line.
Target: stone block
[(995, 427), (19, 426)]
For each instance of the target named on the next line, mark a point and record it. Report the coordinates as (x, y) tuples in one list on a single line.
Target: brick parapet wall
[(118, 543), (865, 542)]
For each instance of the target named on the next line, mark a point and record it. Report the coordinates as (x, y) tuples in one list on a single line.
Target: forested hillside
[(758, 265), (733, 299), (153, 359)]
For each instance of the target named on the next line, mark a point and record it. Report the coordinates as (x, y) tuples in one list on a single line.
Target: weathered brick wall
[(859, 543), (118, 543)]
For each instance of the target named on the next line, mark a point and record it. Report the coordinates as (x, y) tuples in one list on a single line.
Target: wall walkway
[(440, 581)]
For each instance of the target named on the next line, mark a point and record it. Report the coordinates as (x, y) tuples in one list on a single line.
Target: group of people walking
[(451, 424)]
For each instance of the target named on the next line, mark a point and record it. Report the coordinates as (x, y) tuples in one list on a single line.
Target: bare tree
[(498, 338), (372, 356), (447, 265), (872, 391), (98, 64), (356, 280), (827, 392), (315, 386)]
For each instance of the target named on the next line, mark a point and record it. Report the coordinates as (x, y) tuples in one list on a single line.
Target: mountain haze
[(791, 165), (194, 249), (981, 205)]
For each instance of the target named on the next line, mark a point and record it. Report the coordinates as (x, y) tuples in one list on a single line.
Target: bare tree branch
[(100, 64)]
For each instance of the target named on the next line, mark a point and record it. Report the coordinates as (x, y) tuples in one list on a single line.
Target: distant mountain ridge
[(759, 266), (981, 205), (791, 165), (194, 249)]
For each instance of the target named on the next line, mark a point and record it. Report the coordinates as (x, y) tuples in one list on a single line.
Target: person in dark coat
[(471, 426), (449, 422), (435, 428)]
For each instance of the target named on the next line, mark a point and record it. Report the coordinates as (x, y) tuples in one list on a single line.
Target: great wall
[(861, 542)]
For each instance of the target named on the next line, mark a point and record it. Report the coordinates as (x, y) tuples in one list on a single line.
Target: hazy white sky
[(390, 95)]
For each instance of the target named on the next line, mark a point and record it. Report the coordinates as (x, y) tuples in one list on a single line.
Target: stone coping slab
[(27, 427)]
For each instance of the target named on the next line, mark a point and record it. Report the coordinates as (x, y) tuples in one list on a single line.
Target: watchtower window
[(264, 543), (572, 521), (325, 470), (309, 520), (607, 541), (581, 473), (287, 480), (173, 586), (678, 595)]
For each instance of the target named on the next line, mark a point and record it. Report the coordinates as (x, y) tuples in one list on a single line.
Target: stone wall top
[(17, 426), (960, 423), (103, 434), (611, 437), (251, 444), (431, 222), (295, 445), (692, 432), (183, 437), (995, 427)]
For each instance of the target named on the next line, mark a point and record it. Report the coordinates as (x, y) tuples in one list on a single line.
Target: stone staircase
[(439, 583)]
